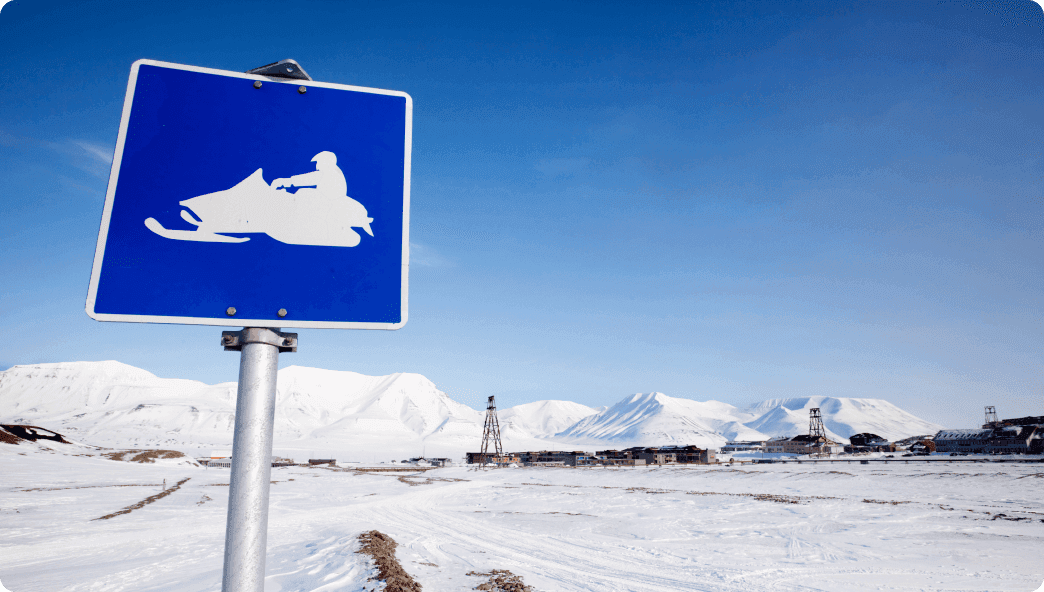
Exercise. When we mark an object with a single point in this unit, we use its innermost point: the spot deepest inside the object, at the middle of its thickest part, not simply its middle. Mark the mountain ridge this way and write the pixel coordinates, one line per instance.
(402, 414)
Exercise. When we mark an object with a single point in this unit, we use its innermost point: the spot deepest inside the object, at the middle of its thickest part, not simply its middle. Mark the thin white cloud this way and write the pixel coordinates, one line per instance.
(95, 159)
(425, 256)
(95, 151)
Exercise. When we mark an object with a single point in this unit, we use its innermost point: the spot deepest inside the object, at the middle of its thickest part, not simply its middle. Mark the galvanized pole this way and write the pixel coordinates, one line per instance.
(246, 531)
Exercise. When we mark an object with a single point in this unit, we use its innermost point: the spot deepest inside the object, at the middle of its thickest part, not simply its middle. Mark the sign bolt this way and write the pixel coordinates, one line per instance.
(231, 311)
(282, 312)
(257, 84)
(302, 89)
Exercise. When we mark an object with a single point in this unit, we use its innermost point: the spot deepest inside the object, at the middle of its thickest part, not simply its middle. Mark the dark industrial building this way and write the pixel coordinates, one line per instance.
(867, 442)
(636, 456)
(483, 458)
(1004, 439)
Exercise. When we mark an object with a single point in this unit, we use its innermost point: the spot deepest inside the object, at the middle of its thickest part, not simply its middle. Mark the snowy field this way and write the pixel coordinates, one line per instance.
(766, 527)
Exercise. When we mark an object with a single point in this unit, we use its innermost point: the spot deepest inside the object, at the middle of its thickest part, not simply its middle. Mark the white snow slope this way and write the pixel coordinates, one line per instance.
(352, 416)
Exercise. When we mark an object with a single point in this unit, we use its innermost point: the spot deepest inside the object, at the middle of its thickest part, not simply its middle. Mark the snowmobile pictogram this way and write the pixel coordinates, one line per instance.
(319, 213)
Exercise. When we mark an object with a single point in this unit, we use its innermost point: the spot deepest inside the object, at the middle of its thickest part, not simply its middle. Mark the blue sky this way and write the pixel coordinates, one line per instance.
(730, 201)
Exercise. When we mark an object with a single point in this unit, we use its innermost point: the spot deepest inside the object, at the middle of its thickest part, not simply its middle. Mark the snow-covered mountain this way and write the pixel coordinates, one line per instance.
(655, 418)
(842, 417)
(357, 417)
(542, 419)
(318, 412)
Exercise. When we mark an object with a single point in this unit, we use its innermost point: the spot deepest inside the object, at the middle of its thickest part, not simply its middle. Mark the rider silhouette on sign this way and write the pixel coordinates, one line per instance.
(327, 178)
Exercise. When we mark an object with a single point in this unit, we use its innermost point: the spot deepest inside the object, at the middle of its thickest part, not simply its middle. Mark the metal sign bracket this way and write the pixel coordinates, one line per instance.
(235, 340)
(282, 69)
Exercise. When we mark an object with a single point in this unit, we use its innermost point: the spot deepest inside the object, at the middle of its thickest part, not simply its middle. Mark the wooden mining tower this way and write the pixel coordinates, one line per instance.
(815, 424)
(491, 434)
(816, 430)
(991, 417)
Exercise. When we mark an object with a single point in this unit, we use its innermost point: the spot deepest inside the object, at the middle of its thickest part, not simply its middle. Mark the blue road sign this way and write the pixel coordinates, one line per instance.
(241, 200)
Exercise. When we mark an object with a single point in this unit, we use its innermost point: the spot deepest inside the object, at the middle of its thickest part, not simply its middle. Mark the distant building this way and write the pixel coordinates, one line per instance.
(624, 462)
(866, 439)
(803, 444)
(225, 462)
(479, 458)
(657, 455)
(322, 461)
(1017, 438)
(636, 456)
(923, 447)
(743, 446)
(963, 441)
(568, 458)
(776, 445)
(434, 462)
(654, 456)
(867, 442)
(690, 454)
(1035, 420)
(906, 443)
(620, 458)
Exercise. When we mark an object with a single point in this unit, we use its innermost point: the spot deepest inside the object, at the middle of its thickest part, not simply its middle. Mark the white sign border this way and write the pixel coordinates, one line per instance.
(103, 232)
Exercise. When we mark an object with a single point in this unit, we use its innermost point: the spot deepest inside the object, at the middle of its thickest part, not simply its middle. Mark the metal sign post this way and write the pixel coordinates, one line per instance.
(246, 526)
(246, 529)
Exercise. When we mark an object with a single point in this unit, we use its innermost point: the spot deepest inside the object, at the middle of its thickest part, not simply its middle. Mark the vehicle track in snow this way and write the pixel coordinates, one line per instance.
(570, 562)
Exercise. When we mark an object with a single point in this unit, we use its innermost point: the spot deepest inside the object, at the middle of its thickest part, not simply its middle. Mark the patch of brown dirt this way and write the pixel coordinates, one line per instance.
(769, 497)
(8, 438)
(501, 580)
(765, 497)
(389, 469)
(407, 479)
(891, 503)
(381, 548)
(146, 501)
(1011, 518)
(143, 456)
(28, 432)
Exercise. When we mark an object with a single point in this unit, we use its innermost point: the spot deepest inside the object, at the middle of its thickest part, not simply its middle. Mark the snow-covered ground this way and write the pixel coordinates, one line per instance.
(745, 528)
